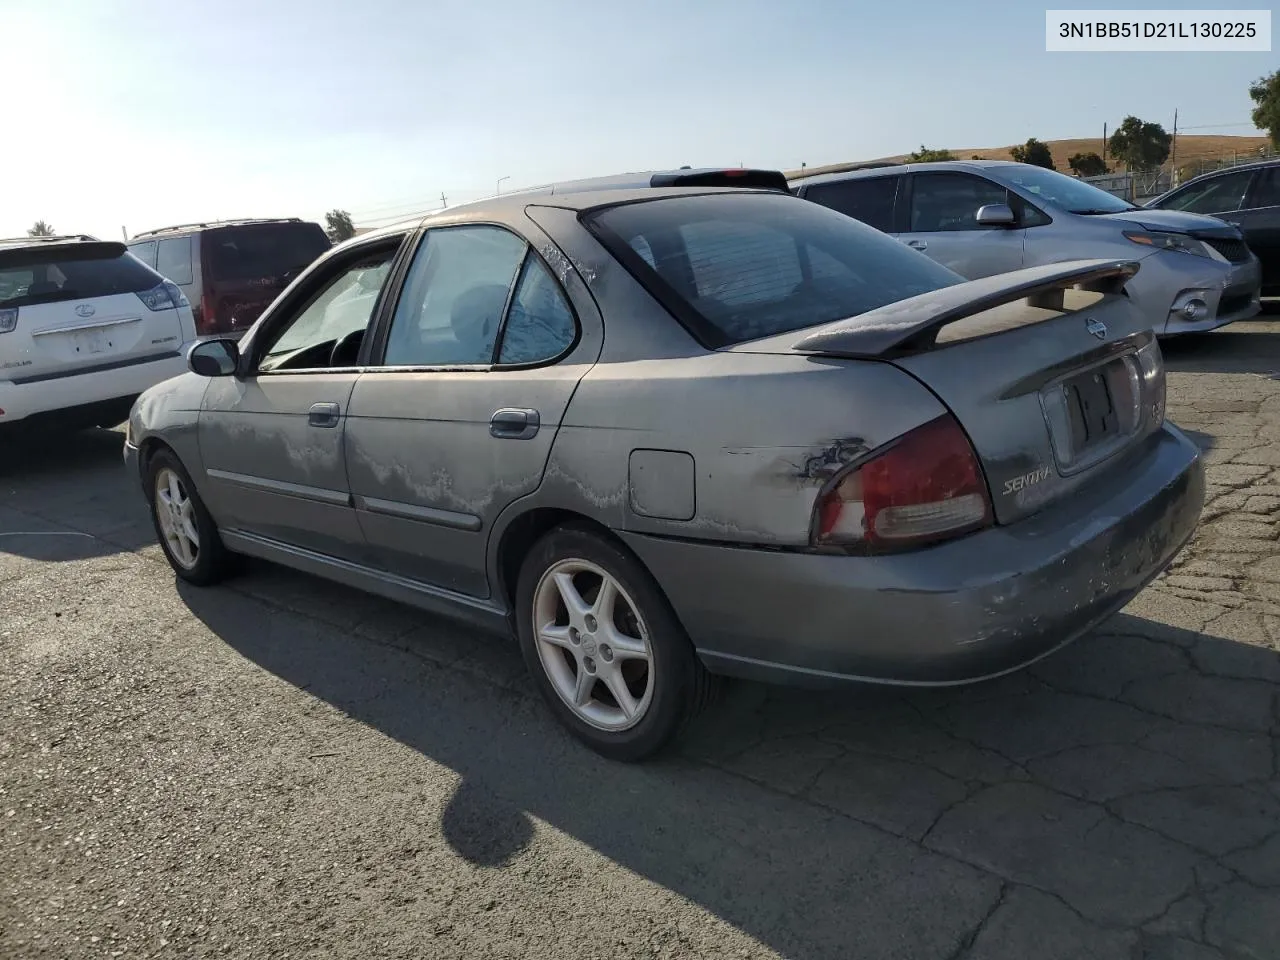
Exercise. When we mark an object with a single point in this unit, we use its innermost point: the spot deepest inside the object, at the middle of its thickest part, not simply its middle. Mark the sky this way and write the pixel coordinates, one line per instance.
(138, 114)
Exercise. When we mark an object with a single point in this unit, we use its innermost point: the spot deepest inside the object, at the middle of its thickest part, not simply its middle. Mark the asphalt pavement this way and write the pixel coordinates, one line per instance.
(281, 767)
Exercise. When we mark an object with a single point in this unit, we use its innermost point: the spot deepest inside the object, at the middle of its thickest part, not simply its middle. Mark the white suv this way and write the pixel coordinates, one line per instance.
(84, 328)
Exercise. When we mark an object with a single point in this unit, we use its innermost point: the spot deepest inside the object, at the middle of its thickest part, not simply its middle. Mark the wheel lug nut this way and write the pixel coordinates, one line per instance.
(591, 623)
(589, 664)
(574, 636)
(606, 653)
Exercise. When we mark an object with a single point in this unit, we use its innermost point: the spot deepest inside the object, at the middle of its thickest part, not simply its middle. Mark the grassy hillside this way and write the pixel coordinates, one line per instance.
(1192, 150)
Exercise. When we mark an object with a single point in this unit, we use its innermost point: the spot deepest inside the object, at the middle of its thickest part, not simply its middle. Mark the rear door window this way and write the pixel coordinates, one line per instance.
(736, 267)
(173, 259)
(259, 251)
(870, 200)
(146, 252)
(950, 201)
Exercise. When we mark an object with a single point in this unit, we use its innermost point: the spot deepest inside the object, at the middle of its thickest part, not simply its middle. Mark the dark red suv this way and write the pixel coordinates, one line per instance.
(230, 270)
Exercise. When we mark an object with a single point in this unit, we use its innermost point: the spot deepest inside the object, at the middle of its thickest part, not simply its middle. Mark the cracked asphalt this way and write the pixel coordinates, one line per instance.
(284, 768)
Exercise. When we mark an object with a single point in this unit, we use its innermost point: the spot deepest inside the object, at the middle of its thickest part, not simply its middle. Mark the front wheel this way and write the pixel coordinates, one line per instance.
(604, 646)
(183, 525)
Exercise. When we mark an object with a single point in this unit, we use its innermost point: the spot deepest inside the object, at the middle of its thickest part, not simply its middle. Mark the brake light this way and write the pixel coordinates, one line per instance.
(205, 323)
(926, 487)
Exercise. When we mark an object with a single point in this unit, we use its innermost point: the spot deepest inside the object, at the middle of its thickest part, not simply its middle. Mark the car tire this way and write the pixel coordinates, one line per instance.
(177, 512)
(579, 660)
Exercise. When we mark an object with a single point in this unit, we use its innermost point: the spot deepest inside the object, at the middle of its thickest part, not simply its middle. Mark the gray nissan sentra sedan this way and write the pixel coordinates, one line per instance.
(664, 434)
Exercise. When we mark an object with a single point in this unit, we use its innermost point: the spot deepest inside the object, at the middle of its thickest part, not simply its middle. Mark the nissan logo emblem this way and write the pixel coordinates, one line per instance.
(1097, 328)
(85, 310)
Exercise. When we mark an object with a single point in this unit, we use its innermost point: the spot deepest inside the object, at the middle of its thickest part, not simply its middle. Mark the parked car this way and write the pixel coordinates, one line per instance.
(230, 270)
(984, 217)
(1247, 197)
(669, 433)
(84, 329)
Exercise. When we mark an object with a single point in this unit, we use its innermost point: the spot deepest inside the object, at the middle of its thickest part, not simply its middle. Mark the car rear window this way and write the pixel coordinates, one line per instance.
(31, 280)
(737, 267)
(263, 250)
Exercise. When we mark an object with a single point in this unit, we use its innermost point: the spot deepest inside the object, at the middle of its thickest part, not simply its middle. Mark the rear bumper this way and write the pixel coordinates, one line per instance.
(963, 611)
(77, 396)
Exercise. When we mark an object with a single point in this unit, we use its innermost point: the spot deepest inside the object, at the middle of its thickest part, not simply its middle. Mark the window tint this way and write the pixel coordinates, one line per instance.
(173, 259)
(342, 307)
(950, 201)
(737, 267)
(68, 279)
(263, 249)
(146, 252)
(1215, 195)
(869, 200)
(453, 297)
(540, 325)
(1266, 189)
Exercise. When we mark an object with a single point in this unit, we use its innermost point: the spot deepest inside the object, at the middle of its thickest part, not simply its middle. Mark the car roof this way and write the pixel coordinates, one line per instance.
(183, 228)
(889, 168)
(1234, 168)
(509, 204)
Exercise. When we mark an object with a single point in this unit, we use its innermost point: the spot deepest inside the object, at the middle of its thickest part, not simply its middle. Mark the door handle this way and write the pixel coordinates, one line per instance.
(324, 415)
(514, 423)
(918, 244)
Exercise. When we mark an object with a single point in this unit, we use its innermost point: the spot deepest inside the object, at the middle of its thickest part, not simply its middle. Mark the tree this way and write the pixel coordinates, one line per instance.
(1086, 164)
(1035, 153)
(1140, 145)
(40, 229)
(1265, 92)
(340, 225)
(925, 155)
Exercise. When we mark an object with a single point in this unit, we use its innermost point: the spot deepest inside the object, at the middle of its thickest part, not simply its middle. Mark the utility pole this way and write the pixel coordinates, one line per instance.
(443, 203)
(124, 233)
(1173, 154)
(1104, 144)
(499, 187)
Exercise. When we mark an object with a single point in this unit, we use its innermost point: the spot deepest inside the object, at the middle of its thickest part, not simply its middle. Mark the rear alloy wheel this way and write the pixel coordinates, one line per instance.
(605, 647)
(186, 531)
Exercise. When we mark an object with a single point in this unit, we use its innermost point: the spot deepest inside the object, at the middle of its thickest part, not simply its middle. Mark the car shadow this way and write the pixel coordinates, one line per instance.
(66, 496)
(902, 791)
(1249, 347)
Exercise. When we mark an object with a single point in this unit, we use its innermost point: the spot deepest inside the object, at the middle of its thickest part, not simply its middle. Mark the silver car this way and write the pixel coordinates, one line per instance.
(984, 217)
(667, 434)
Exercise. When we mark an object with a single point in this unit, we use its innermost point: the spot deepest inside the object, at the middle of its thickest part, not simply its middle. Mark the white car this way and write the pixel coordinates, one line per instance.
(84, 328)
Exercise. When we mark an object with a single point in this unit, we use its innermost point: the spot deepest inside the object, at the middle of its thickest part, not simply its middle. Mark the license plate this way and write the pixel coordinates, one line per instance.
(91, 342)
(1090, 409)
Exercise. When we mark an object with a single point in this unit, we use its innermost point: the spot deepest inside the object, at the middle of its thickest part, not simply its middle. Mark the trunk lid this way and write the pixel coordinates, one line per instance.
(247, 266)
(1052, 372)
(78, 309)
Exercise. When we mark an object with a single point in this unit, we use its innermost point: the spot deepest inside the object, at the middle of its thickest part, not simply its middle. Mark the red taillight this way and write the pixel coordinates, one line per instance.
(205, 323)
(926, 487)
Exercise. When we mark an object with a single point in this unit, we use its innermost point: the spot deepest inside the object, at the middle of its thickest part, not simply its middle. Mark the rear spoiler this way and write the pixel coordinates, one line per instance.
(912, 324)
(722, 177)
(27, 256)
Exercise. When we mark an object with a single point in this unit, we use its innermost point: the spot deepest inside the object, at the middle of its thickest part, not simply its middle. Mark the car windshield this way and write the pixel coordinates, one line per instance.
(741, 266)
(1072, 195)
(267, 250)
(35, 280)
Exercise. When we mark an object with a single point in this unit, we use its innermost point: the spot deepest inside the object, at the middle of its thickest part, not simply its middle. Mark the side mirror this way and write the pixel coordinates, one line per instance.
(996, 215)
(214, 358)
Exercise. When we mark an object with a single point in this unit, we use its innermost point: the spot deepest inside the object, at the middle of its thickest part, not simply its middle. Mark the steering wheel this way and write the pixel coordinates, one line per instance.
(346, 352)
